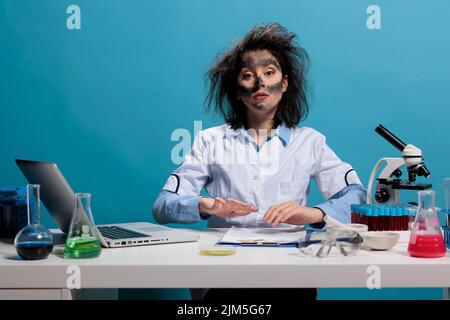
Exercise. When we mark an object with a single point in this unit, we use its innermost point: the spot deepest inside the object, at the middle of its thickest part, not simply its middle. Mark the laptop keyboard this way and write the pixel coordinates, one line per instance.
(114, 232)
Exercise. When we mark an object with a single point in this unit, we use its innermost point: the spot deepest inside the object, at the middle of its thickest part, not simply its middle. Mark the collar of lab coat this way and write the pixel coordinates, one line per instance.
(282, 132)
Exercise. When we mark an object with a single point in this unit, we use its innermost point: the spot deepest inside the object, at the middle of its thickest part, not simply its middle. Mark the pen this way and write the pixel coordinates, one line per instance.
(260, 243)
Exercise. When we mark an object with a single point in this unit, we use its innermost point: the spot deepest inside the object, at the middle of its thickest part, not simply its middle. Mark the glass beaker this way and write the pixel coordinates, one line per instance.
(82, 241)
(33, 242)
(447, 199)
(426, 239)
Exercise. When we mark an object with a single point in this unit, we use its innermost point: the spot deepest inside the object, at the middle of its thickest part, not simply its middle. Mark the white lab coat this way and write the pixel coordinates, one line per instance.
(227, 163)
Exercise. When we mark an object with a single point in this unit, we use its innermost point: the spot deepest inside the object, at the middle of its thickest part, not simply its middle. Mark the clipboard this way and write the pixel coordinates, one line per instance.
(262, 237)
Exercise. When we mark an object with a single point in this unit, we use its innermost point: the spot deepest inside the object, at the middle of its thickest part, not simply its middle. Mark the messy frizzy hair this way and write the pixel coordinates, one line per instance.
(293, 61)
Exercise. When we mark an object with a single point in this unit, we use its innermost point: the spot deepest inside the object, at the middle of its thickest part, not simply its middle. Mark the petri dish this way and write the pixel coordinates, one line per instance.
(213, 250)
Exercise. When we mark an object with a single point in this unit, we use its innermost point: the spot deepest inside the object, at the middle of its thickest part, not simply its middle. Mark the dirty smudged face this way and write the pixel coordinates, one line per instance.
(260, 82)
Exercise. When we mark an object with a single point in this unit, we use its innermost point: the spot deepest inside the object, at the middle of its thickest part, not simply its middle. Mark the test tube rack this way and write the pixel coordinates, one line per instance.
(387, 217)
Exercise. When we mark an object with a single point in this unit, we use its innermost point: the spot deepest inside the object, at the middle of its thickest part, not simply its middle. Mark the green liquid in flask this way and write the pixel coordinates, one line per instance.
(82, 247)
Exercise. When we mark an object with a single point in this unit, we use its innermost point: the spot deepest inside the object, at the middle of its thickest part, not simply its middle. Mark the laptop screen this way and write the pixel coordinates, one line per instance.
(56, 194)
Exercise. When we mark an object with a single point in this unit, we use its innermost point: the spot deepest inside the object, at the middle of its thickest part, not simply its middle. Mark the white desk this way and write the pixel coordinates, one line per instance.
(180, 266)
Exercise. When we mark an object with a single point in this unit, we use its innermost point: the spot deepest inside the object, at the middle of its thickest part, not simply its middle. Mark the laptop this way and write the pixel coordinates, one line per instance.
(58, 197)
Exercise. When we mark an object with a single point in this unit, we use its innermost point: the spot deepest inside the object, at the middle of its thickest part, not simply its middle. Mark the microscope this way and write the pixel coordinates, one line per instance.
(389, 184)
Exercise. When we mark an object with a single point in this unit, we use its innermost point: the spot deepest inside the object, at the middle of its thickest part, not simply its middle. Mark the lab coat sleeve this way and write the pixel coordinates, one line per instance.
(178, 201)
(170, 207)
(330, 172)
(338, 206)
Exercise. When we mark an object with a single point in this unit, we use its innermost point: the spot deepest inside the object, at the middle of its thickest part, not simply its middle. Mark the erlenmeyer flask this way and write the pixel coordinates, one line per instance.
(33, 242)
(426, 239)
(82, 241)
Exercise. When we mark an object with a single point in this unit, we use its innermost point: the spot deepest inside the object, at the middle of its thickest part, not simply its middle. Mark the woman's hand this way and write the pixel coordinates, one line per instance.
(225, 207)
(293, 213)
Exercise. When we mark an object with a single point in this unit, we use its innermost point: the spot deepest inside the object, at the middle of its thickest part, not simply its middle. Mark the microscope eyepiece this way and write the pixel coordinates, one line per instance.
(390, 137)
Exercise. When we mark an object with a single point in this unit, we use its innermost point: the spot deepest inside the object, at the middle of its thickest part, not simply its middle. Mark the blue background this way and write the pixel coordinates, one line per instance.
(103, 101)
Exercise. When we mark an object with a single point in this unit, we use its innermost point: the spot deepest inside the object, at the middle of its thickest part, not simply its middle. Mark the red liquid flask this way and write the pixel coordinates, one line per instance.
(426, 239)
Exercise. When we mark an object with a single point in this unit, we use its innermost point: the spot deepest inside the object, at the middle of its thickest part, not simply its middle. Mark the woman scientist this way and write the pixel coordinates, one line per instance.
(257, 167)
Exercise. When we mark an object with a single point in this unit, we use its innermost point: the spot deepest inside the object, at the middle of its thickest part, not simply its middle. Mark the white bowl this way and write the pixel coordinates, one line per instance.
(360, 228)
(377, 240)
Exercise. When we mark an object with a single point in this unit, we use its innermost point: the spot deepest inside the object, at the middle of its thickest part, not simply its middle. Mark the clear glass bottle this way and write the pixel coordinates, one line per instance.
(82, 240)
(447, 199)
(33, 242)
(426, 239)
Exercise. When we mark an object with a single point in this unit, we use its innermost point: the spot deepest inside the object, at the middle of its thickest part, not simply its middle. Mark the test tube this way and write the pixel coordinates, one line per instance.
(380, 218)
(393, 218)
(363, 215)
(391, 211)
(353, 209)
(402, 225)
(376, 220)
(406, 214)
(360, 213)
(366, 216)
(386, 219)
(396, 218)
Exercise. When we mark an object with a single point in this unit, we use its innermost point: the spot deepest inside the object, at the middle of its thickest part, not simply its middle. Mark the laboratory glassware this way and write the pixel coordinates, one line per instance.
(447, 198)
(33, 242)
(13, 212)
(426, 239)
(82, 240)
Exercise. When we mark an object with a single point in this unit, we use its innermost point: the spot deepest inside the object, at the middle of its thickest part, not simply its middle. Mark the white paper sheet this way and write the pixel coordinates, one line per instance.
(263, 236)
